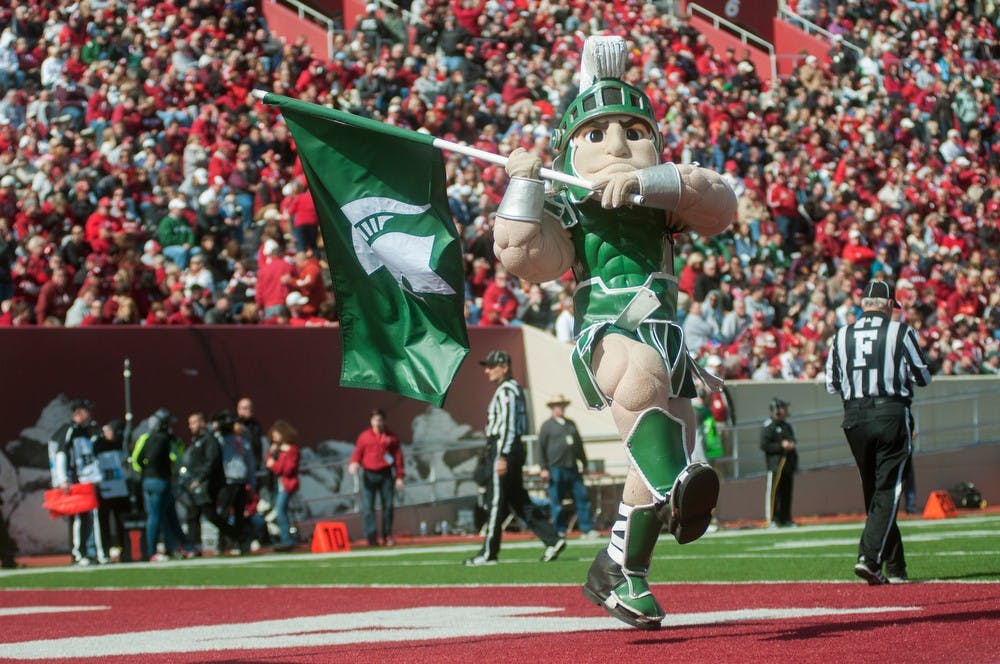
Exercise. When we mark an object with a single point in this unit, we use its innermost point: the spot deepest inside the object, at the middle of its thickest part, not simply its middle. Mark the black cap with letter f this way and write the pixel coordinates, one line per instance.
(882, 290)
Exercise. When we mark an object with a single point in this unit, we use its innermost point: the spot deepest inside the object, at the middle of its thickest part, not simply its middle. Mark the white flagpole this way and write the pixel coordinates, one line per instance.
(500, 160)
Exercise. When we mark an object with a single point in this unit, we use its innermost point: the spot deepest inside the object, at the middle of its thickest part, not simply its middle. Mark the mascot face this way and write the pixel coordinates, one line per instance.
(613, 123)
(612, 144)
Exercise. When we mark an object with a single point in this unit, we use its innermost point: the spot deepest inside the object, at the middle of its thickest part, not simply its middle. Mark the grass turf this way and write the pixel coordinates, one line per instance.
(965, 548)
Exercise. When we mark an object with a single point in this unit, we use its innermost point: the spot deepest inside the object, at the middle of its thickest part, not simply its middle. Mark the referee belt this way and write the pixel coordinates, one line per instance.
(870, 402)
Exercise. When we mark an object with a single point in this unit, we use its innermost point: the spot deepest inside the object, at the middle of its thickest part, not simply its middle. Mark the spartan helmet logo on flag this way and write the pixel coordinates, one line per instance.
(403, 254)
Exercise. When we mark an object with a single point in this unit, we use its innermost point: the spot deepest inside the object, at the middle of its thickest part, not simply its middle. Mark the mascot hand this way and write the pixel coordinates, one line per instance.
(616, 189)
(523, 164)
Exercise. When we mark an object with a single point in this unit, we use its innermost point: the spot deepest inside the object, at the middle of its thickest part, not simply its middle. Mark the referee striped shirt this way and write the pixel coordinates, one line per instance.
(875, 357)
(507, 416)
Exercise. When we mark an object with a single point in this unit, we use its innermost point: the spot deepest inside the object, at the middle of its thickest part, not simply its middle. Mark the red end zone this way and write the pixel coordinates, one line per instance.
(931, 622)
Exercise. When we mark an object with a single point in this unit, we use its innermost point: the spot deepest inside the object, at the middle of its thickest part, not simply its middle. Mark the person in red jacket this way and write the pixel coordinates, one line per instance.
(309, 281)
(856, 251)
(274, 279)
(283, 462)
(301, 213)
(54, 298)
(379, 458)
(499, 302)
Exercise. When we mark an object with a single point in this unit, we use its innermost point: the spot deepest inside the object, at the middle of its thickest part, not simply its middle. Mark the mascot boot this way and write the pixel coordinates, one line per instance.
(686, 494)
(617, 578)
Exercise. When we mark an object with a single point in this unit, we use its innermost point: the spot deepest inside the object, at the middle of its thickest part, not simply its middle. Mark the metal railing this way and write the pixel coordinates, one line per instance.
(811, 28)
(306, 12)
(744, 36)
(832, 450)
(743, 459)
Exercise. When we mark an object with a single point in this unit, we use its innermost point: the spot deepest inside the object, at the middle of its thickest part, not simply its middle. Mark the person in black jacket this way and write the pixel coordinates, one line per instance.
(8, 547)
(8, 247)
(252, 432)
(202, 478)
(154, 455)
(777, 439)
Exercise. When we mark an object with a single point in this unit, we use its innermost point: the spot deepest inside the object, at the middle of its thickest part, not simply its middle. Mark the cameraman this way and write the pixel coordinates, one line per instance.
(239, 467)
(202, 478)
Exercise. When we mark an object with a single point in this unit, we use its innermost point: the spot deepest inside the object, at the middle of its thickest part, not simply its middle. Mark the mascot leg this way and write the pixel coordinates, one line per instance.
(617, 578)
(685, 494)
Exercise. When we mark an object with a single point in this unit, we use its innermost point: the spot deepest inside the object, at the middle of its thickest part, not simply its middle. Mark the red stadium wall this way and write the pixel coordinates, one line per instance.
(790, 42)
(723, 39)
(348, 10)
(755, 16)
(292, 374)
(282, 20)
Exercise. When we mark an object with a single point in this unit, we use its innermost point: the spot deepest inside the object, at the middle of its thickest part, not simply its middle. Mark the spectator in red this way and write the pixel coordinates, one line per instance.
(274, 279)
(784, 208)
(295, 303)
(954, 242)
(96, 315)
(467, 14)
(857, 252)
(301, 212)
(55, 298)
(499, 302)
(690, 272)
(763, 337)
(378, 457)
(964, 300)
(99, 226)
(283, 462)
(309, 281)
(185, 314)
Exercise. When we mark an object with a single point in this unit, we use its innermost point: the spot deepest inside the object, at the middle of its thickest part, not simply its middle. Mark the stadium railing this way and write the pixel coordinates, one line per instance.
(746, 37)
(804, 24)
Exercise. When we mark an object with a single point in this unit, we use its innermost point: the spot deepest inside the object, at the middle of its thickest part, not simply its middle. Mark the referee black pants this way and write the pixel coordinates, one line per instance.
(505, 494)
(879, 435)
(778, 509)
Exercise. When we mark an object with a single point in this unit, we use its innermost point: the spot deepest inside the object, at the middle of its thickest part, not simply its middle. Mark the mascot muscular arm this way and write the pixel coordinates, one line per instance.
(629, 353)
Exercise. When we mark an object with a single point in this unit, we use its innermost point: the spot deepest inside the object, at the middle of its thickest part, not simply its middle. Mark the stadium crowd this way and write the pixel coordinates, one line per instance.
(141, 183)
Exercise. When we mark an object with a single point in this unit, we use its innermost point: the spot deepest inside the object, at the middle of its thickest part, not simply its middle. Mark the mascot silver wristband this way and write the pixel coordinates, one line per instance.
(661, 186)
(523, 200)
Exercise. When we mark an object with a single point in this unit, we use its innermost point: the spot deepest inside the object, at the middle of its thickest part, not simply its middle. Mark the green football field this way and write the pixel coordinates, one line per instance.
(963, 548)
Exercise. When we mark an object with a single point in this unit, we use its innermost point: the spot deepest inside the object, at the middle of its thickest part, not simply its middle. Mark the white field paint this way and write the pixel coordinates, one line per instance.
(387, 626)
(32, 610)
(910, 537)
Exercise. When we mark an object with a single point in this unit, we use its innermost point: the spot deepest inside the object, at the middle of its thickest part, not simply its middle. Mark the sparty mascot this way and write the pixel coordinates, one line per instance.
(629, 353)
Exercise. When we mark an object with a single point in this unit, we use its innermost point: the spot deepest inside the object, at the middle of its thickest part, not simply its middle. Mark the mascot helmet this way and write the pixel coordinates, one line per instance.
(607, 96)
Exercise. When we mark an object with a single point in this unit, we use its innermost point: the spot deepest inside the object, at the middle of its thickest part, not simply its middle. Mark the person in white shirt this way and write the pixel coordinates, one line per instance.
(564, 322)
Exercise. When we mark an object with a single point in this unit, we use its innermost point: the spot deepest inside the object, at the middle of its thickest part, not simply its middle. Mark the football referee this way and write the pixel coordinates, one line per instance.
(505, 492)
(873, 365)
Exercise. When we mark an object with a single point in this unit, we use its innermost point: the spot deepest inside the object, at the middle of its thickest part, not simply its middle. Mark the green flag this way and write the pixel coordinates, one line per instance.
(394, 253)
